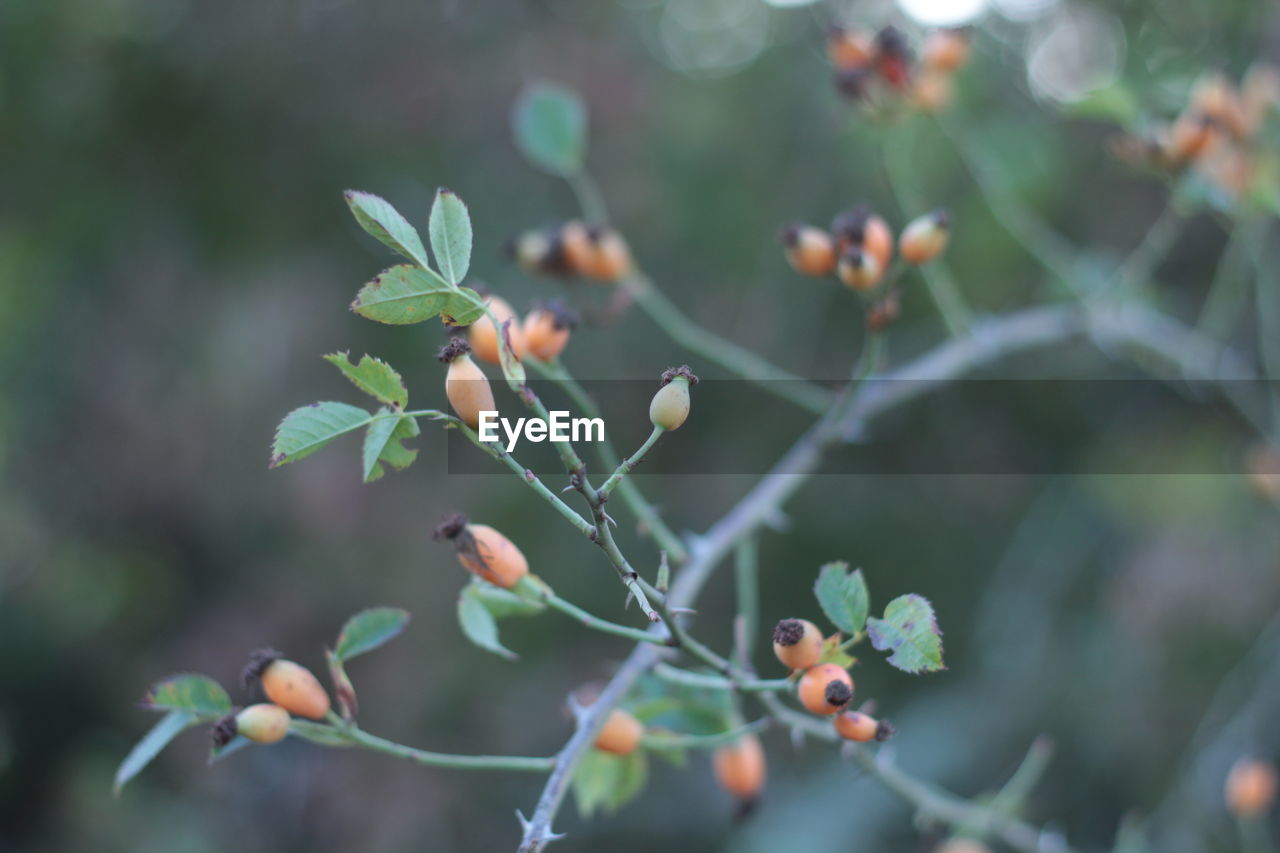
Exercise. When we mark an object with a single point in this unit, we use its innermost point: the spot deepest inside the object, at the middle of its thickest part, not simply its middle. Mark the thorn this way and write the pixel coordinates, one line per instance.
(797, 737)
(626, 605)
(608, 518)
(525, 823)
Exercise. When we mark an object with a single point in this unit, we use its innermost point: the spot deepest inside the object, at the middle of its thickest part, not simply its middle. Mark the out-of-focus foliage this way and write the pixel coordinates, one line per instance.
(175, 253)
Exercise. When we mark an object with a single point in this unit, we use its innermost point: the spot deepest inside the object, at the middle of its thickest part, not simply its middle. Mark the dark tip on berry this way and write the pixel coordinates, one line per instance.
(852, 82)
(224, 731)
(562, 316)
(675, 372)
(942, 218)
(259, 660)
(852, 224)
(789, 234)
(838, 692)
(788, 632)
(450, 527)
(854, 257)
(450, 351)
(885, 730)
(745, 808)
(595, 232)
(890, 41)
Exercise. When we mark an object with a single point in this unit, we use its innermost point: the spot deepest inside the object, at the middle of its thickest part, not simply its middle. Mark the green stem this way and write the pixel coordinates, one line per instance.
(1031, 232)
(625, 468)
(665, 537)
(1137, 268)
(545, 594)
(930, 801)
(526, 476)
(942, 287)
(589, 197)
(661, 741)
(1229, 290)
(718, 682)
(733, 358)
(746, 571)
(340, 730)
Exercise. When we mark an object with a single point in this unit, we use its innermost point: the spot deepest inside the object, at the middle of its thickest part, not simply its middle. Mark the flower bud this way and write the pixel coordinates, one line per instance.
(620, 734)
(859, 270)
(1251, 787)
(483, 334)
(740, 767)
(809, 250)
(924, 238)
(860, 727)
(264, 723)
(547, 328)
(850, 49)
(670, 406)
(797, 643)
(289, 685)
(945, 50)
(465, 385)
(825, 689)
(484, 551)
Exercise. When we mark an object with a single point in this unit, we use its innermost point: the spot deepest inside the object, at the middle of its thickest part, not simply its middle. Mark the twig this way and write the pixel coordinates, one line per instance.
(342, 733)
(625, 468)
(719, 682)
(675, 740)
(645, 511)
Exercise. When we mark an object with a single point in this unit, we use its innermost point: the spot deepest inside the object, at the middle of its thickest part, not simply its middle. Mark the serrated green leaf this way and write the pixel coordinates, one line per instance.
(450, 230)
(550, 124)
(198, 694)
(406, 294)
(394, 453)
(170, 726)
(478, 624)
(374, 377)
(304, 431)
(503, 603)
(910, 630)
(384, 222)
(843, 596)
(606, 781)
(369, 629)
(376, 439)
(319, 733)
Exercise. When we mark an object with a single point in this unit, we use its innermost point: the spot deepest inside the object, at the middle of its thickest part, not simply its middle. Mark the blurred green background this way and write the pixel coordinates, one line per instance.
(175, 256)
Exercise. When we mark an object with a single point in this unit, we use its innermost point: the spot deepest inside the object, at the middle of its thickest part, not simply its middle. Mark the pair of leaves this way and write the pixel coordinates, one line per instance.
(189, 700)
(304, 431)
(606, 781)
(909, 628)
(448, 226)
(411, 294)
(481, 605)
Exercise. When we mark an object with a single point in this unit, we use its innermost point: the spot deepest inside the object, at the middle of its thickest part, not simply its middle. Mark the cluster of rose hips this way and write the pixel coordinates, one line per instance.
(824, 688)
(292, 690)
(872, 67)
(1216, 133)
(483, 551)
(542, 335)
(859, 248)
(593, 252)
